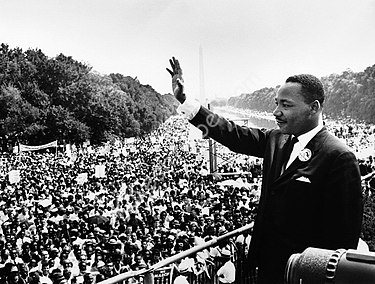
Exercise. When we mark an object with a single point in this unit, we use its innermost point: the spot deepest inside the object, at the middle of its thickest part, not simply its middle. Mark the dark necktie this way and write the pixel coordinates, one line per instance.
(288, 150)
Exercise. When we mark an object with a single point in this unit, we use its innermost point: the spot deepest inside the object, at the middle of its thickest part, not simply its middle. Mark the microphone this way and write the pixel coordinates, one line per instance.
(315, 266)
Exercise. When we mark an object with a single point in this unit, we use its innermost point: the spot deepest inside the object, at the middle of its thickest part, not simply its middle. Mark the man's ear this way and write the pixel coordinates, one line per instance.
(315, 106)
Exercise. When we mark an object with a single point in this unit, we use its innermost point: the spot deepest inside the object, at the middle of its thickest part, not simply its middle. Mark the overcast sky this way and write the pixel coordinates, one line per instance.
(247, 44)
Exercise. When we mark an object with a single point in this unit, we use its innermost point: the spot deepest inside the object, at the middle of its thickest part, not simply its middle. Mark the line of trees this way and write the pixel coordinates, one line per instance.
(348, 94)
(43, 99)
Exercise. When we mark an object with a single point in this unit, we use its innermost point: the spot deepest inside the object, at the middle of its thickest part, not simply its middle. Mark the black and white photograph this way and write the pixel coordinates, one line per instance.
(187, 142)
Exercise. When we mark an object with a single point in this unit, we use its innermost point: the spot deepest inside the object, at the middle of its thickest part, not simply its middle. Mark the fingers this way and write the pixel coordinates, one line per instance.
(172, 63)
(176, 69)
(173, 71)
(170, 71)
(177, 66)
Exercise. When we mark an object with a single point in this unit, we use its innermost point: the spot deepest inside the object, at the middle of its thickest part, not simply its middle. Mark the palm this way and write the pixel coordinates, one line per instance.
(177, 80)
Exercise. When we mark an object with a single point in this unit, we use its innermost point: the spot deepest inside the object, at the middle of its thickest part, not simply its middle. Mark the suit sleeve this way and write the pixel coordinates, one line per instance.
(240, 139)
(342, 202)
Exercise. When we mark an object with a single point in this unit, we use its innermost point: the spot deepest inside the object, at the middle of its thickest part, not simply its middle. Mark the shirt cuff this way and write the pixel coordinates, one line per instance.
(189, 108)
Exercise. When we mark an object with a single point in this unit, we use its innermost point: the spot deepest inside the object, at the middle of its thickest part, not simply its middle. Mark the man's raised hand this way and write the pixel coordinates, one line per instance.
(177, 80)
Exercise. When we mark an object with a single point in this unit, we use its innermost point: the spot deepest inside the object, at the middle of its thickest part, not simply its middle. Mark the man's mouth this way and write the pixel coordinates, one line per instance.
(280, 122)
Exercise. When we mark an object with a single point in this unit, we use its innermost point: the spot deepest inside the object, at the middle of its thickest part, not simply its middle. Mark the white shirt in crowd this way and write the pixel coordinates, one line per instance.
(227, 273)
(181, 279)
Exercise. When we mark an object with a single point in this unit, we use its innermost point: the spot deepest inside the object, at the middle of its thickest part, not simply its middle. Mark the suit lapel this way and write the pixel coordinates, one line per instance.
(280, 157)
(314, 146)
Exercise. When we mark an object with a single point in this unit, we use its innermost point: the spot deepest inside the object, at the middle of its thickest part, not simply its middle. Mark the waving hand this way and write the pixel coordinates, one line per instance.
(177, 80)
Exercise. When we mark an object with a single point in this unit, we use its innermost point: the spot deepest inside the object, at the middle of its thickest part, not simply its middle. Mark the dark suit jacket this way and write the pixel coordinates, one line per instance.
(293, 214)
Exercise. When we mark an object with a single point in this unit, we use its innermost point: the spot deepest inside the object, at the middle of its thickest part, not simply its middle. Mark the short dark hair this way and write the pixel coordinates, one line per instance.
(312, 87)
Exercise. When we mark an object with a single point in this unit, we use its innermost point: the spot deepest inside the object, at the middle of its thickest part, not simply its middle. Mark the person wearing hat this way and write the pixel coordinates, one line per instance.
(227, 272)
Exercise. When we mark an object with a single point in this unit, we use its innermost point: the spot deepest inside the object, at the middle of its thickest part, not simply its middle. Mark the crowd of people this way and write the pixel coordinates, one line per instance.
(86, 215)
(152, 200)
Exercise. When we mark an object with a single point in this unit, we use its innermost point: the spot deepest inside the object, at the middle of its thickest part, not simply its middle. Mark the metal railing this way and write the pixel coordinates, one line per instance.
(163, 267)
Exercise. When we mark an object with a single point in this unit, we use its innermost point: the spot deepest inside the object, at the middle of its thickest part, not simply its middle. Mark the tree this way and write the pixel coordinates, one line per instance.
(44, 99)
(348, 94)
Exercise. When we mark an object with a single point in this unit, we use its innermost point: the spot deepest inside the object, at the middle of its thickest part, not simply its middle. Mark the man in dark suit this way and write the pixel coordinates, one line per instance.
(311, 190)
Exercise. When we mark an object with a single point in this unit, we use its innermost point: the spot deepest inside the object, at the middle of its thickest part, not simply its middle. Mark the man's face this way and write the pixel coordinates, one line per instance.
(293, 115)
(138, 259)
(82, 265)
(45, 270)
(110, 266)
(45, 256)
(14, 253)
(67, 272)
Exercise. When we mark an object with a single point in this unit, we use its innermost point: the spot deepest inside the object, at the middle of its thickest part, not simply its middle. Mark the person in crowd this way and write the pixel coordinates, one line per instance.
(14, 256)
(100, 272)
(227, 272)
(44, 260)
(184, 269)
(311, 183)
(13, 276)
(57, 277)
(243, 242)
(23, 272)
(45, 274)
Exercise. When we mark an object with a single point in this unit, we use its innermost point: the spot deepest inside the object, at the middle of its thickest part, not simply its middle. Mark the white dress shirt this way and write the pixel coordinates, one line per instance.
(302, 142)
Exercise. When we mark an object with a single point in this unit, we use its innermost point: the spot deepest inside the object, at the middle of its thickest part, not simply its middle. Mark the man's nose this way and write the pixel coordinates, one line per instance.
(277, 112)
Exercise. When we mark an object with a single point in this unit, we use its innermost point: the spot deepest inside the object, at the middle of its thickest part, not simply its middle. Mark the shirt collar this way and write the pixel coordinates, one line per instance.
(306, 137)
